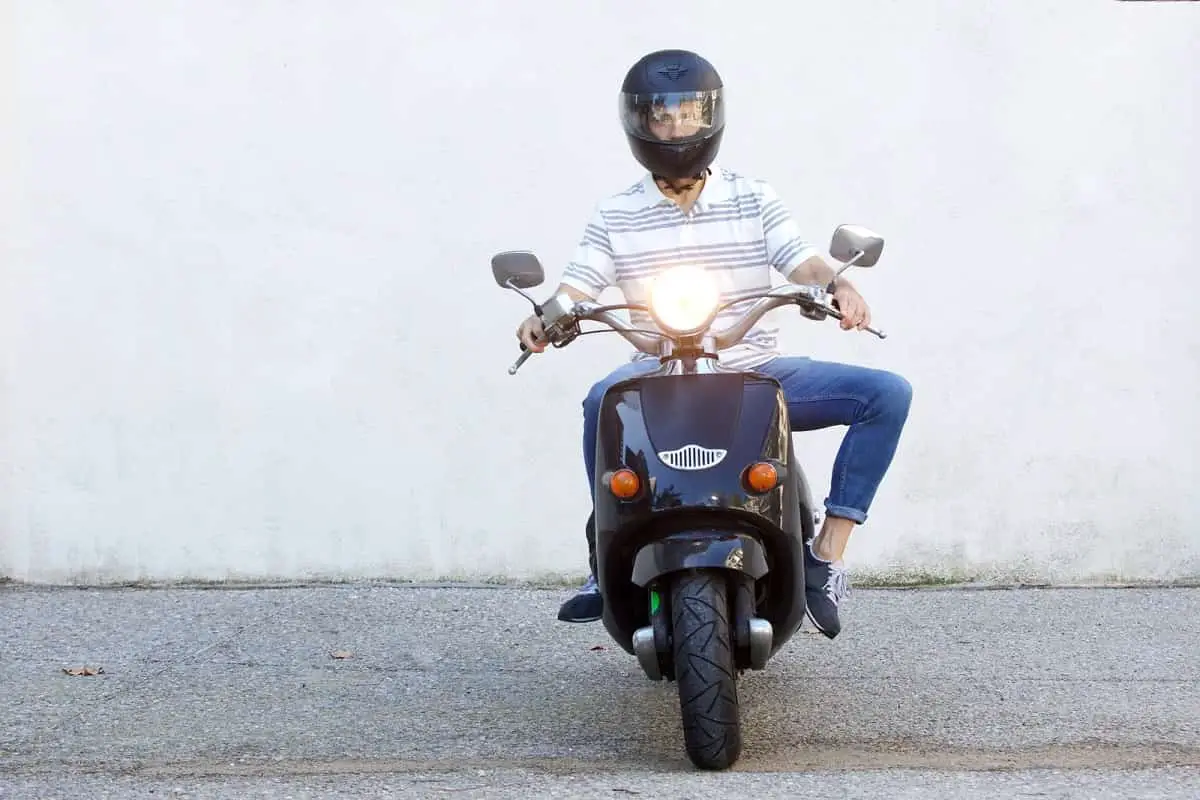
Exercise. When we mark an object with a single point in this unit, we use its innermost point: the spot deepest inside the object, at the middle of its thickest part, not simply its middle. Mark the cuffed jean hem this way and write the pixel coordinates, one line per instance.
(845, 512)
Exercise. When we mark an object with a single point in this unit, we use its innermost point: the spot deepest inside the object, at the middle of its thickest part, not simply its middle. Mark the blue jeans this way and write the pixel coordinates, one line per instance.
(820, 394)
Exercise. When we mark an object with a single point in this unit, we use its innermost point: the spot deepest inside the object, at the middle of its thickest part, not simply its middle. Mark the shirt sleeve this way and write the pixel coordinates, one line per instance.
(786, 248)
(592, 270)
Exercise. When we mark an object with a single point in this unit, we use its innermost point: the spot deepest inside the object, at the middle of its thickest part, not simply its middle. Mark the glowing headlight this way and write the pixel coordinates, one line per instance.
(684, 300)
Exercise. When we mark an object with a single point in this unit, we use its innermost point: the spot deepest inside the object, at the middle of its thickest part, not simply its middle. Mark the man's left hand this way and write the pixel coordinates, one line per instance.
(856, 314)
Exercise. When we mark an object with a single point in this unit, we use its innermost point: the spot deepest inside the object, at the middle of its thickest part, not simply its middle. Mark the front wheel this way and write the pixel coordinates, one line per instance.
(704, 668)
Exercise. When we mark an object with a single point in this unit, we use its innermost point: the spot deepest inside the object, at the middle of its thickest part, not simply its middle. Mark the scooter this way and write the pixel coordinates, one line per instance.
(702, 511)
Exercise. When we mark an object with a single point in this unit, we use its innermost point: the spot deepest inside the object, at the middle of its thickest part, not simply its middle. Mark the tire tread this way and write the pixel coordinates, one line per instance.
(704, 669)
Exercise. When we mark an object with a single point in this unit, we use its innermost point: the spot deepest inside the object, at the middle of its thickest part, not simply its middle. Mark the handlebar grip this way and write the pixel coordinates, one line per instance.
(836, 307)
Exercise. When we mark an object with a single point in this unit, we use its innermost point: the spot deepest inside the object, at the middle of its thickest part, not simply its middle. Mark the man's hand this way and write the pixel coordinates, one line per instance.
(531, 332)
(815, 272)
(532, 335)
(856, 314)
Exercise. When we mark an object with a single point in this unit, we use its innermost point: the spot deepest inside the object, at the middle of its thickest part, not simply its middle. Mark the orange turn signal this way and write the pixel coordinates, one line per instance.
(762, 477)
(624, 483)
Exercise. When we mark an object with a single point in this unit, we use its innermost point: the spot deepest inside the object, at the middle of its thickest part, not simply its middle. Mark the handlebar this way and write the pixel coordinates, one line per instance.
(593, 311)
(560, 313)
(779, 296)
(646, 343)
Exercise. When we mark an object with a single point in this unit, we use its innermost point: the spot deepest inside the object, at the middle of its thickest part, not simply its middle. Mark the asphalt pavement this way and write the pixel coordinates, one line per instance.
(400, 691)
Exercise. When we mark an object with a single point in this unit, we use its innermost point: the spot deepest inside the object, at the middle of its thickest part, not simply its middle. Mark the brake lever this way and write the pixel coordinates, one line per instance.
(834, 310)
(525, 354)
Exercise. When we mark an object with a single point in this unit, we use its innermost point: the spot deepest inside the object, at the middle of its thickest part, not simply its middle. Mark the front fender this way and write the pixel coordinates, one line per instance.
(699, 549)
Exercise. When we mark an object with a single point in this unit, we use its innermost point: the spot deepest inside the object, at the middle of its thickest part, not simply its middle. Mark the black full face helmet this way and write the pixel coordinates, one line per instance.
(673, 113)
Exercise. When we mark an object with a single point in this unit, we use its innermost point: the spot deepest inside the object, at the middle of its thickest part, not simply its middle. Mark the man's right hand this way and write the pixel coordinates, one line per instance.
(532, 335)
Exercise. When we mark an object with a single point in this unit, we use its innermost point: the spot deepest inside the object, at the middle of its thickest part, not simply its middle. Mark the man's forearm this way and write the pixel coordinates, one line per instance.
(814, 271)
(573, 293)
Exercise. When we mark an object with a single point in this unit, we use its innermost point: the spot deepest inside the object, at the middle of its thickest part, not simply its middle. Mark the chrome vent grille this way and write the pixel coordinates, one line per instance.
(692, 457)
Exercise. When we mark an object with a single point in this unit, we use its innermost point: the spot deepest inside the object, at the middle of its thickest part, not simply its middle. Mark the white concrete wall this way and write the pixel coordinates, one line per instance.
(249, 328)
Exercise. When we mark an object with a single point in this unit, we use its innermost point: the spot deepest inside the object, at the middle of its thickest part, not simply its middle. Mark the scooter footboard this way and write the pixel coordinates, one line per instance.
(699, 549)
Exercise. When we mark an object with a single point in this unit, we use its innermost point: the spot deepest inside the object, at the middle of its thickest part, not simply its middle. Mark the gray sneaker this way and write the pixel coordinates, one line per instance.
(825, 584)
(585, 606)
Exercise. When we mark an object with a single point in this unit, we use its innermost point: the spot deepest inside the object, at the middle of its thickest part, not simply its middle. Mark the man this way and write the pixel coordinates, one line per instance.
(687, 211)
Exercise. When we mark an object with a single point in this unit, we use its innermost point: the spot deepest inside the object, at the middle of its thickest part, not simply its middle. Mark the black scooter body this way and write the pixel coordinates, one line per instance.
(704, 517)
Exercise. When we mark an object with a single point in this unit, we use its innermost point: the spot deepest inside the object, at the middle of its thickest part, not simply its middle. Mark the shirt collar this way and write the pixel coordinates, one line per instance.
(714, 191)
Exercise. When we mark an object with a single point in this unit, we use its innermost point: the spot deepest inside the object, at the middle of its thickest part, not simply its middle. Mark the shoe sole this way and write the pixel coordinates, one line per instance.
(564, 616)
(817, 625)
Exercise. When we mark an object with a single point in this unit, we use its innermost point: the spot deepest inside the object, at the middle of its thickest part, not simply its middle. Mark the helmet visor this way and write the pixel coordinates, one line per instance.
(677, 117)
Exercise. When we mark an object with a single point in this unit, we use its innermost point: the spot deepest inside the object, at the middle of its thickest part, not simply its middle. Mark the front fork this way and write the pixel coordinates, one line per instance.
(752, 636)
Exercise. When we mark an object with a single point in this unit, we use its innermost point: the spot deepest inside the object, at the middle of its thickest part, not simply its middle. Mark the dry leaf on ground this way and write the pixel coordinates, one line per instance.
(78, 671)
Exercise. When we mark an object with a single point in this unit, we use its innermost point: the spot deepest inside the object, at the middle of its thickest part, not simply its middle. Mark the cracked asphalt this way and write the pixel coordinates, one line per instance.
(480, 692)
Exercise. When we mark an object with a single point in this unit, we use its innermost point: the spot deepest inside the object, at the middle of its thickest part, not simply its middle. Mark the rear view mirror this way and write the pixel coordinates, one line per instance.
(517, 269)
(851, 240)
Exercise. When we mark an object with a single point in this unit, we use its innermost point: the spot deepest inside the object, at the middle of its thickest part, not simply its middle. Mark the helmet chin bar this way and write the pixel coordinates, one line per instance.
(667, 161)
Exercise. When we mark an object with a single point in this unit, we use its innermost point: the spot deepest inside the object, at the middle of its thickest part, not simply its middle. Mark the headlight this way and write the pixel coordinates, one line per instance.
(684, 300)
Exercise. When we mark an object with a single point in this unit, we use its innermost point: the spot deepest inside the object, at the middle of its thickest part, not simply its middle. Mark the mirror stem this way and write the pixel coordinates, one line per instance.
(537, 309)
(832, 287)
(857, 255)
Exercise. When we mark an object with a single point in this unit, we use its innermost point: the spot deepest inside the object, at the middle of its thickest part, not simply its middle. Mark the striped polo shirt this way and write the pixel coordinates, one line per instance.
(738, 230)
